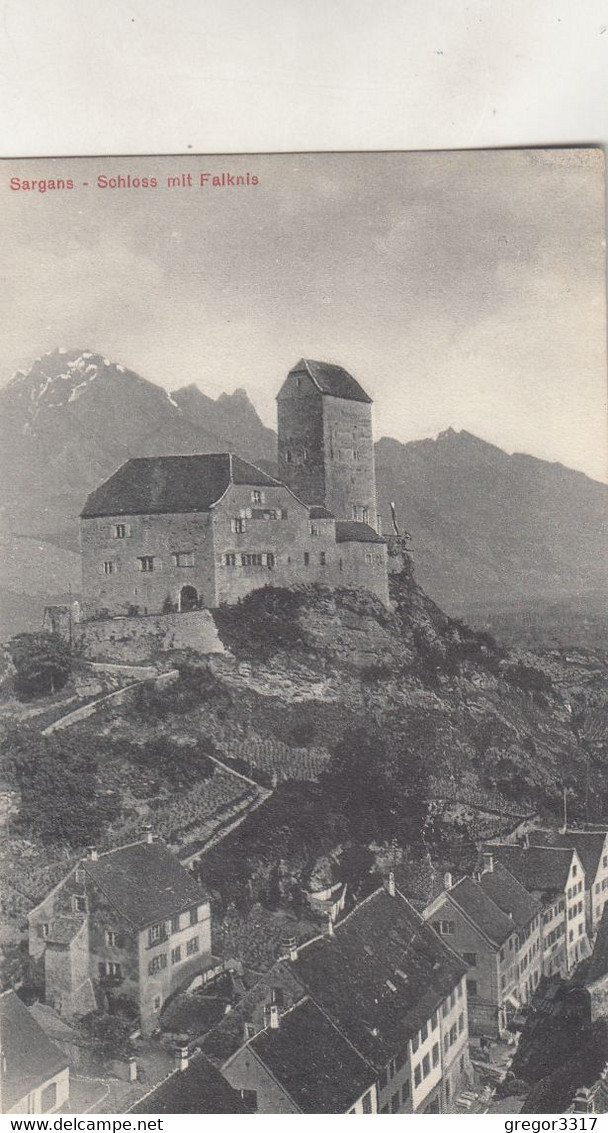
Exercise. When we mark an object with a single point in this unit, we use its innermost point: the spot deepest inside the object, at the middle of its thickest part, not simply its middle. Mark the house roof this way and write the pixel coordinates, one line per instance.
(509, 894)
(589, 845)
(347, 531)
(542, 869)
(313, 1063)
(317, 512)
(145, 882)
(31, 1058)
(331, 380)
(380, 976)
(157, 485)
(199, 1089)
(471, 898)
(598, 962)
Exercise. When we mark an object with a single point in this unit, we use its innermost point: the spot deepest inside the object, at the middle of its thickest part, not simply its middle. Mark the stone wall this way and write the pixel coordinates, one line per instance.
(131, 640)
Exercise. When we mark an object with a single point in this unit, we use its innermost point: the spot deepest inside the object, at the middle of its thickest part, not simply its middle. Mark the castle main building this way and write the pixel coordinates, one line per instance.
(184, 532)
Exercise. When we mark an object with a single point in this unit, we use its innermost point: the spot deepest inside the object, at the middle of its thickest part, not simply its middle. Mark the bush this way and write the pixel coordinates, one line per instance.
(42, 663)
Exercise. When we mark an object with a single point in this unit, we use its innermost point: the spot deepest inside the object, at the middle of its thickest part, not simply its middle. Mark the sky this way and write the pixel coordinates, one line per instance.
(462, 289)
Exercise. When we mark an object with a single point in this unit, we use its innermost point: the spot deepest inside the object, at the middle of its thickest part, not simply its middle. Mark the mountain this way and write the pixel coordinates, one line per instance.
(490, 530)
(492, 533)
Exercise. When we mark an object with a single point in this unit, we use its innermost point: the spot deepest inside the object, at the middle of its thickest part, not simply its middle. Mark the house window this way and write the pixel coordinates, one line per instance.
(472, 987)
(323, 558)
(315, 529)
(109, 567)
(157, 963)
(287, 456)
(461, 1022)
(447, 928)
(435, 1054)
(80, 876)
(367, 1102)
(192, 946)
(270, 560)
(175, 923)
(257, 497)
(446, 1043)
(237, 526)
(306, 558)
(369, 558)
(383, 1080)
(580, 930)
(426, 1066)
(111, 938)
(230, 558)
(79, 904)
(176, 955)
(250, 1099)
(366, 515)
(43, 930)
(470, 958)
(460, 990)
(405, 1092)
(424, 1033)
(194, 916)
(399, 1062)
(183, 558)
(434, 1020)
(155, 933)
(417, 1075)
(574, 871)
(416, 1042)
(114, 970)
(395, 1103)
(355, 512)
(146, 563)
(48, 1098)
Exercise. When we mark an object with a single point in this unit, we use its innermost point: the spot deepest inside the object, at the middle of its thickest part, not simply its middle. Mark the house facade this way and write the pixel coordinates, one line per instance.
(131, 922)
(34, 1073)
(178, 533)
(592, 849)
(392, 989)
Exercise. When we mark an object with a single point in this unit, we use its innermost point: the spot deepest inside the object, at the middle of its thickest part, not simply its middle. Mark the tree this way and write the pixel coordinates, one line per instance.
(107, 1035)
(42, 663)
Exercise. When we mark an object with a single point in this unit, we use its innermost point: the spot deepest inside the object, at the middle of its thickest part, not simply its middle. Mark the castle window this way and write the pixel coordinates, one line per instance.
(315, 529)
(109, 567)
(111, 938)
(356, 454)
(270, 560)
(257, 497)
(369, 558)
(251, 560)
(114, 970)
(237, 526)
(192, 946)
(323, 558)
(306, 558)
(121, 531)
(79, 904)
(366, 515)
(146, 563)
(183, 559)
(230, 558)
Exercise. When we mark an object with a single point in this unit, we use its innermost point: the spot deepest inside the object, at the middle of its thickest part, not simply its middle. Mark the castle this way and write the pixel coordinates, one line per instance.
(179, 533)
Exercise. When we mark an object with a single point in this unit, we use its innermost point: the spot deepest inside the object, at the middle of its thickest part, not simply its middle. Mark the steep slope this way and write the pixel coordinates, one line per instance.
(492, 528)
(233, 418)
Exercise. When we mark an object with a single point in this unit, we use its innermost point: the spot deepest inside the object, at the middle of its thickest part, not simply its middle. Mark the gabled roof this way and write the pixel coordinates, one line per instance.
(542, 869)
(312, 1062)
(145, 882)
(380, 976)
(589, 845)
(469, 896)
(158, 485)
(348, 531)
(598, 962)
(509, 894)
(31, 1058)
(198, 1089)
(331, 380)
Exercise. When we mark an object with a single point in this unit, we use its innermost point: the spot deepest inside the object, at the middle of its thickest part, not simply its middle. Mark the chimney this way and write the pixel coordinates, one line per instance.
(181, 1057)
(488, 863)
(93, 854)
(390, 886)
(275, 1020)
(448, 881)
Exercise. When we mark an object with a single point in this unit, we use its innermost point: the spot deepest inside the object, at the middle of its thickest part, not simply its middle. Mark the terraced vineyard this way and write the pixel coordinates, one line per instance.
(277, 758)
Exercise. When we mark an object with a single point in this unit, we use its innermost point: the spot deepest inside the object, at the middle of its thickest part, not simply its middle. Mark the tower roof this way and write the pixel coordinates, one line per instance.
(333, 381)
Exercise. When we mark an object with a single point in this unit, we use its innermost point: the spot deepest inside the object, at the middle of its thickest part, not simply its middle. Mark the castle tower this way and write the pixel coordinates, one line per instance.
(326, 447)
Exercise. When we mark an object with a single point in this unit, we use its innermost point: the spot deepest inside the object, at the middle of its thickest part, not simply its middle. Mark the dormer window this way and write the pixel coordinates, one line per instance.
(257, 497)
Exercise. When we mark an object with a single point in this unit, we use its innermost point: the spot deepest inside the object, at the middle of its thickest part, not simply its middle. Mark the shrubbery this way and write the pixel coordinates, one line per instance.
(42, 661)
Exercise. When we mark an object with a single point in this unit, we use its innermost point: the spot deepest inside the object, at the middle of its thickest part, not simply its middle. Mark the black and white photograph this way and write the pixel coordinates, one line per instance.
(303, 634)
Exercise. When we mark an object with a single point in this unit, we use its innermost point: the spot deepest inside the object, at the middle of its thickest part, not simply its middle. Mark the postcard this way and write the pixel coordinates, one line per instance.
(304, 666)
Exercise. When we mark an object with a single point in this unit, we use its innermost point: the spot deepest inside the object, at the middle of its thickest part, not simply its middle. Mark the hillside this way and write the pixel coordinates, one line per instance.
(494, 535)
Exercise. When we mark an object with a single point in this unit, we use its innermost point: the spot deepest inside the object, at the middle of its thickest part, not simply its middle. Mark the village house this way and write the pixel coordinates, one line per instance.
(487, 940)
(178, 533)
(555, 876)
(131, 923)
(592, 849)
(393, 990)
(596, 973)
(194, 1086)
(34, 1073)
(525, 911)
